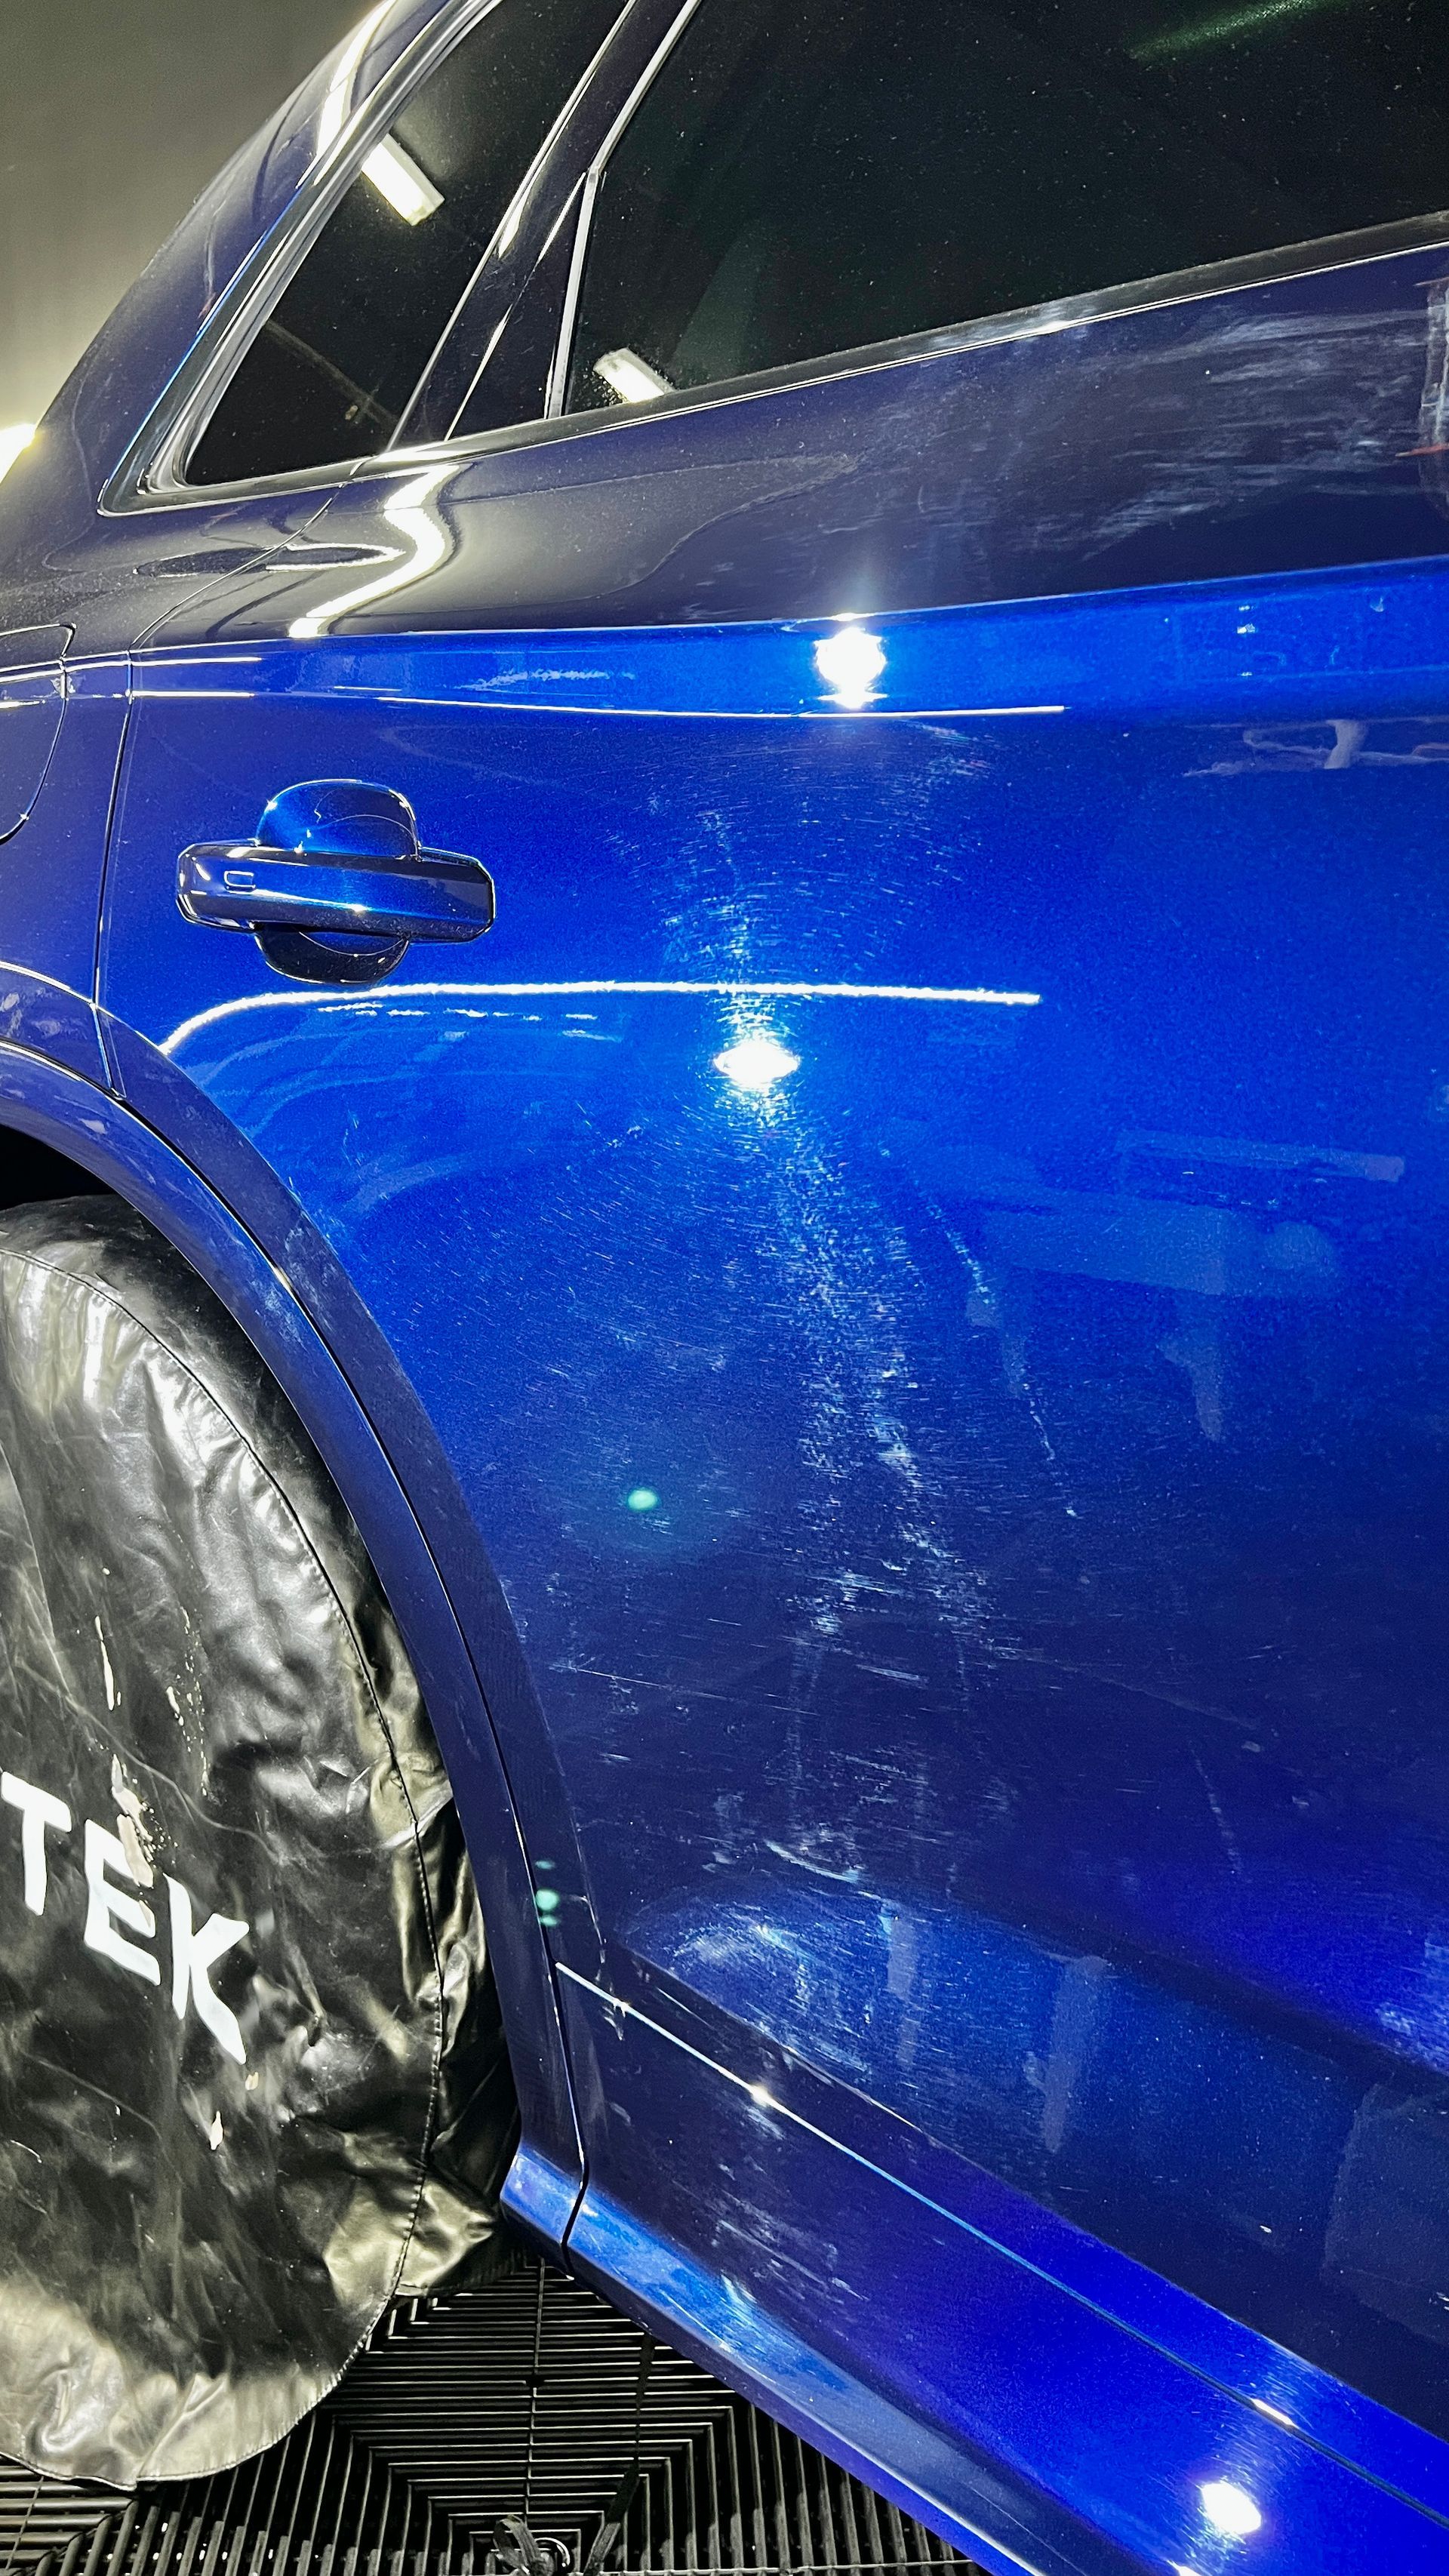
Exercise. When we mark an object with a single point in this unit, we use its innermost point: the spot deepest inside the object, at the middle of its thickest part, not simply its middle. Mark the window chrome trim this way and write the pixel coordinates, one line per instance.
(151, 473)
(1035, 321)
(1029, 322)
(568, 318)
(510, 223)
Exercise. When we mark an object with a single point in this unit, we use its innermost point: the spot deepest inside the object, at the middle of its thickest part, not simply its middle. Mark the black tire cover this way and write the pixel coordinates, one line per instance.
(252, 2073)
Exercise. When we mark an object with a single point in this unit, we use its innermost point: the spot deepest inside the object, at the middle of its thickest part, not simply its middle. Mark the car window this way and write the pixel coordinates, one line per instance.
(334, 366)
(813, 178)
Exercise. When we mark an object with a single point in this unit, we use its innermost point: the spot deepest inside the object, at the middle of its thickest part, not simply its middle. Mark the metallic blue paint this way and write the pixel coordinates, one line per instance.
(893, 1316)
(32, 703)
(948, 2394)
(1270, 426)
(1046, 1930)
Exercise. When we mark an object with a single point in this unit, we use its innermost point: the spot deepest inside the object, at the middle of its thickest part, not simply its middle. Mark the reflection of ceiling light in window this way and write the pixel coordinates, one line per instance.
(12, 441)
(1225, 27)
(396, 176)
(631, 378)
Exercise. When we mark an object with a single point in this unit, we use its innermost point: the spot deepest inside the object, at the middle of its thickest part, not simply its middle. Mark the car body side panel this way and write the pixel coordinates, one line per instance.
(50, 875)
(921, 1480)
(32, 703)
(891, 1315)
(948, 2375)
(1269, 426)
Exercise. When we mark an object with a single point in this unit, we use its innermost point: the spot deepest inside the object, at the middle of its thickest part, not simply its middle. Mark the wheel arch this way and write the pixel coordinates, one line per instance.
(70, 1127)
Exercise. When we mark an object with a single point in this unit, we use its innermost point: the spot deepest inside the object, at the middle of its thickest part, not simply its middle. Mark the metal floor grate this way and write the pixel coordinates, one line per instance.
(525, 2397)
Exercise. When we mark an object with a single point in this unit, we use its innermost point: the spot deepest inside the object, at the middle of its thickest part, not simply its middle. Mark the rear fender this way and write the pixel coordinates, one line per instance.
(72, 1116)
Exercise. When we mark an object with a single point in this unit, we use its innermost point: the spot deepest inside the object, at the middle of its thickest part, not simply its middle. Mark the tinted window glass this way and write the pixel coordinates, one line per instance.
(331, 372)
(837, 172)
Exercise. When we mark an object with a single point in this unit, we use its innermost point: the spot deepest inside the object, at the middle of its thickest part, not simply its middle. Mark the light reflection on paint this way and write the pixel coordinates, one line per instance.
(323, 997)
(1230, 2509)
(408, 512)
(756, 1063)
(850, 662)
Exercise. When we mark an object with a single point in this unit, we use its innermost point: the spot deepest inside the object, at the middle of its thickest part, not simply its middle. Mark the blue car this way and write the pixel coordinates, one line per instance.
(724, 1051)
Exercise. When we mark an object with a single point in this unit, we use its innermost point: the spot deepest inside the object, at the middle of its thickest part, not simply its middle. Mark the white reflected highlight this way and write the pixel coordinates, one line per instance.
(326, 996)
(1275, 2414)
(13, 442)
(631, 377)
(338, 101)
(850, 662)
(1230, 2509)
(756, 1063)
(426, 537)
(397, 177)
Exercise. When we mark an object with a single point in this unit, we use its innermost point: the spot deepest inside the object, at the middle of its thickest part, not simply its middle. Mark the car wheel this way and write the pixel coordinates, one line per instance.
(244, 1994)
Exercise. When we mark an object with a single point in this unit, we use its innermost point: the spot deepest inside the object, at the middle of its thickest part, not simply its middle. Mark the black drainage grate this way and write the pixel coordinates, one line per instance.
(527, 2398)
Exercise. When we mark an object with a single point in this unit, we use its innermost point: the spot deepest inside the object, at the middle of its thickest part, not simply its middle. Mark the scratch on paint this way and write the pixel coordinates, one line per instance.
(1219, 1818)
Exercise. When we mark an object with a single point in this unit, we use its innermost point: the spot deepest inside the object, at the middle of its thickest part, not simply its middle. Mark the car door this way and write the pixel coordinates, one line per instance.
(918, 1231)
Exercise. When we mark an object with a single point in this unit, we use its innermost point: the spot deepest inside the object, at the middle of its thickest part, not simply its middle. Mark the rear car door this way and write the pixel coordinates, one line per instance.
(919, 1230)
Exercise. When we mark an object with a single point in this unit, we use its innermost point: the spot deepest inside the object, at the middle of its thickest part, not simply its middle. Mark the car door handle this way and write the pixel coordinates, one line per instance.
(336, 885)
(246, 885)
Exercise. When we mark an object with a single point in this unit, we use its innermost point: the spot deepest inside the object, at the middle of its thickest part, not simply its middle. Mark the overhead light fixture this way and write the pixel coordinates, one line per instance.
(395, 175)
(13, 442)
(631, 377)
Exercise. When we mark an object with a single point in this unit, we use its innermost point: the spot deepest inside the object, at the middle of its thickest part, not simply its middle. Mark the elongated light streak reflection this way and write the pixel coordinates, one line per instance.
(338, 101)
(408, 512)
(376, 999)
(1225, 27)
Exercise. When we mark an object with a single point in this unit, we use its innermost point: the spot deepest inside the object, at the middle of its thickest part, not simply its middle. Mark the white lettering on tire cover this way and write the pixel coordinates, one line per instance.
(37, 1810)
(106, 1906)
(193, 1953)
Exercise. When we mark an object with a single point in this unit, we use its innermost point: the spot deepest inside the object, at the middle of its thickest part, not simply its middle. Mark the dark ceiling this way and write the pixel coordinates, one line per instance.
(113, 116)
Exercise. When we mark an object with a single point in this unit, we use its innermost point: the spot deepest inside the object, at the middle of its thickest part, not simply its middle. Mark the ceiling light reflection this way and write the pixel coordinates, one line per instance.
(396, 175)
(631, 377)
(324, 997)
(850, 662)
(1230, 2509)
(756, 1063)
(13, 443)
